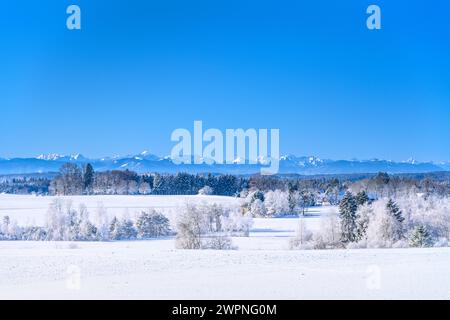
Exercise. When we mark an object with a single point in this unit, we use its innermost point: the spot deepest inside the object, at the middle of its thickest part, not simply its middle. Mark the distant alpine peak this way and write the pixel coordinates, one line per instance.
(315, 160)
(50, 156)
(146, 155)
(77, 156)
(303, 161)
(56, 156)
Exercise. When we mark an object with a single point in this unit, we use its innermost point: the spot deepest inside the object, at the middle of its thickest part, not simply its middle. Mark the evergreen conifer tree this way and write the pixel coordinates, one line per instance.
(362, 198)
(420, 238)
(88, 178)
(347, 213)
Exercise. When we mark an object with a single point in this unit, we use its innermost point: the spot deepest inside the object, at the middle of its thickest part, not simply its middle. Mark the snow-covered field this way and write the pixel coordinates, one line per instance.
(31, 210)
(262, 268)
(154, 270)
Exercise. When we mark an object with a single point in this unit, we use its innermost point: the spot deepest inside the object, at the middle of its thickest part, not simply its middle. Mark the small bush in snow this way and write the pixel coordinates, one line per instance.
(206, 191)
(219, 242)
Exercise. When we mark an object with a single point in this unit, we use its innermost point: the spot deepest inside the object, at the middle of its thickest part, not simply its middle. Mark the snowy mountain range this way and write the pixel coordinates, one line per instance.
(147, 162)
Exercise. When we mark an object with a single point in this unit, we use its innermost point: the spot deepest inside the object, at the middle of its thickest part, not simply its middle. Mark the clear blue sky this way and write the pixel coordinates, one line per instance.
(139, 69)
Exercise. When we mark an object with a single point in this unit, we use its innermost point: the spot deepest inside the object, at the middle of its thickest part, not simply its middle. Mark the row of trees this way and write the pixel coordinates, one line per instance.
(383, 185)
(197, 227)
(73, 180)
(25, 185)
(277, 202)
(65, 223)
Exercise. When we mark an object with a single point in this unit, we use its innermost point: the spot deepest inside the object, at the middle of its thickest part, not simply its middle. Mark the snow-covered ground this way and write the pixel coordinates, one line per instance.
(262, 268)
(154, 270)
(31, 210)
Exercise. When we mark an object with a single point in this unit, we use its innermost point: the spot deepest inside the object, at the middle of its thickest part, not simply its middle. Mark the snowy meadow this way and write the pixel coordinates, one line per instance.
(138, 249)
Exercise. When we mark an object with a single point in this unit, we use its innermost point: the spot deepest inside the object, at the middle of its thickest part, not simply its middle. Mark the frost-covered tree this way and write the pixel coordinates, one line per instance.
(32, 233)
(206, 191)
(384, 229)
(257, 195)
(362, 198)
(191, 224)
(64, 223)
(258, 209)
(393, 209)
(347, 214)
(420, 238)
(127, 229)
(293, 197)
(56, 221)
(200, 226)
(9, 229)
(114, 229)
(144, 188)
(69, 180)
(303, 237)
(4, 227)
(152, 224)
(122, 229)
(235, 223)
(277, 203)
(213, 214)
(102, 222)
(88, 231)
(363, 215)
(328, 236)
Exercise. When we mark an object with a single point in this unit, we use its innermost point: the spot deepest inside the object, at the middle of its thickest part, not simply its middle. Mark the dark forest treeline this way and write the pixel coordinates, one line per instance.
(75, 180)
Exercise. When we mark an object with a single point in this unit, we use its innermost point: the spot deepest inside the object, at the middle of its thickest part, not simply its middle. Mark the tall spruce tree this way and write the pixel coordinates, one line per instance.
(362, 198)
(420, 238)
(88, 178)
(347, 213)
(395, 211)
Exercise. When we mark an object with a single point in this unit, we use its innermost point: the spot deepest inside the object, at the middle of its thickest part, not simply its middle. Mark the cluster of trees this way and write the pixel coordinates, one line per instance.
(383, 185)
(277, 203)
(198, 226)
(65, 223)
(73, 180)
(210, 227)
(25, 185)
(413, 220)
